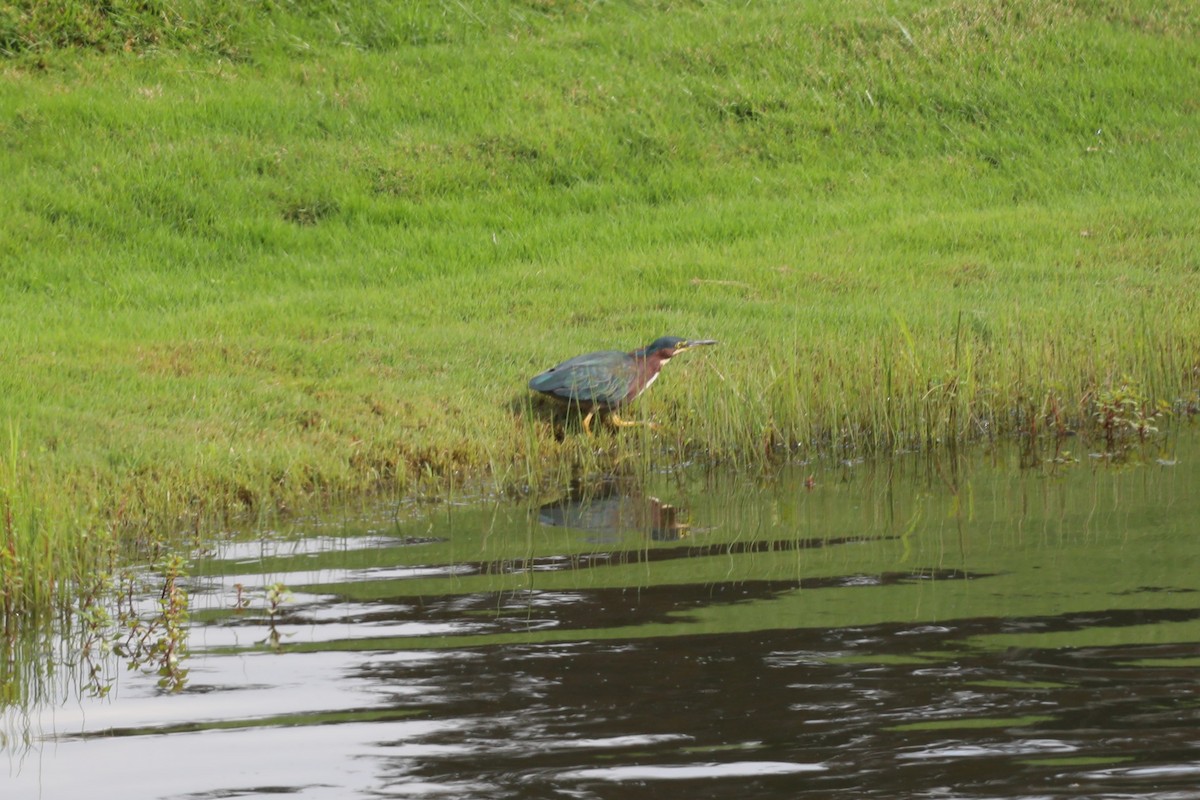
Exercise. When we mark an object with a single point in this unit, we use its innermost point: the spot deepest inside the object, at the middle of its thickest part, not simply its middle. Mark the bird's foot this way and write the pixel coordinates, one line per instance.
(627, 423)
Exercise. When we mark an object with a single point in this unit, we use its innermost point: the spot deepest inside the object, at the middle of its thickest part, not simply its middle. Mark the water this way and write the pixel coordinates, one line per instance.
(926, 628)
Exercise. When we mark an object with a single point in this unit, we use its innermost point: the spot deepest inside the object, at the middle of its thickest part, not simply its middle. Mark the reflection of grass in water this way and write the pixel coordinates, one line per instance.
(277, 720)
(1165, 663)
(972, 723)
(1167, 632)
(895, 659)
(771, 555)
(1074, 527)
(722, 748)
(1076, 761)
(1037, 544)
(1001, 684)
(143, 622)
(52, 659)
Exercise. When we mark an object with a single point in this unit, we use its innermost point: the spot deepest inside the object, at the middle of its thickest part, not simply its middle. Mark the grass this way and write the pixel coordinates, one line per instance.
(257, 255)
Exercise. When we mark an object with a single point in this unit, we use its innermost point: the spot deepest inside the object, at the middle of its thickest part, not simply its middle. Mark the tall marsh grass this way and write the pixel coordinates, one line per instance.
(258, 256)
(49, 547)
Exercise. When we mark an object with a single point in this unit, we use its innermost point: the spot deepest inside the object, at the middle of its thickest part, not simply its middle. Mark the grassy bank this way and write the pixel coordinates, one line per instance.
(254, 255)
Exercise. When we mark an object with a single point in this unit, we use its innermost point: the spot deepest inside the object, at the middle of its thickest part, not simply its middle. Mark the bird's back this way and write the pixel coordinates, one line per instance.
(600, 378)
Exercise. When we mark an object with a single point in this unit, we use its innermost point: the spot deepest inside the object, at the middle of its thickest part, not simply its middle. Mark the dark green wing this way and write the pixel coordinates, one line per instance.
(601, 378)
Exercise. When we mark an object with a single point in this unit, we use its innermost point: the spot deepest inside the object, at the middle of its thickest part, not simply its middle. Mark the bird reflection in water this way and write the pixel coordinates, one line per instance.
(609, 508)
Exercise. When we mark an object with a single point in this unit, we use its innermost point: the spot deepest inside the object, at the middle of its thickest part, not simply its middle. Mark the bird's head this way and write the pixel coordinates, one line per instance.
(666, 346)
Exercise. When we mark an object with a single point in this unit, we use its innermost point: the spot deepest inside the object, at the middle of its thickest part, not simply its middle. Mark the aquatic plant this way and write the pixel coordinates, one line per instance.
(276, 596)
(158, 643)
(1123, 412)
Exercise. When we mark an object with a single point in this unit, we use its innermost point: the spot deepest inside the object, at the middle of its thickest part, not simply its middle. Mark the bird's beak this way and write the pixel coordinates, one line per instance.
(694, 343)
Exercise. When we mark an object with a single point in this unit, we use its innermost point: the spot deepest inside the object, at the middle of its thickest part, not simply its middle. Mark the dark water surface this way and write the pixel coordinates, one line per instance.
(926, 628)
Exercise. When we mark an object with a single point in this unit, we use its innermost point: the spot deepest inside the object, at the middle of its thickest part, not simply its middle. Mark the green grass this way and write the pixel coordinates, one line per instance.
(257, 254)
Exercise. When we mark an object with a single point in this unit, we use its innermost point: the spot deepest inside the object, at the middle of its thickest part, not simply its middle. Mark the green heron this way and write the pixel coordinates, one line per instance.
(608, 379)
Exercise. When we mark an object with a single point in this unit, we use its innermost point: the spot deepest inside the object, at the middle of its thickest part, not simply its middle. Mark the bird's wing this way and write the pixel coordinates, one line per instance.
(601, 377)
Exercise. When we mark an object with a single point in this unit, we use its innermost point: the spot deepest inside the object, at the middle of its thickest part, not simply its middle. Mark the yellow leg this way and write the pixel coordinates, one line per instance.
(587, 422)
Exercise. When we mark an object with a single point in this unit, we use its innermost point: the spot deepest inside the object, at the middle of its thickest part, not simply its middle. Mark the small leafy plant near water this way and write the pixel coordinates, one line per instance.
(277, 595)
(1124, 415)
(158, 643)
(138, 622)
